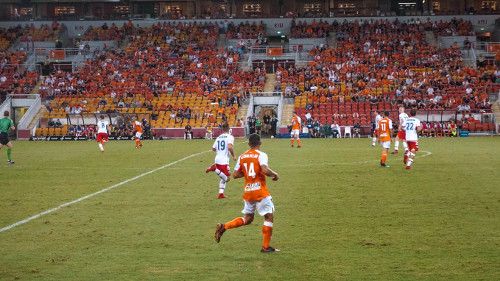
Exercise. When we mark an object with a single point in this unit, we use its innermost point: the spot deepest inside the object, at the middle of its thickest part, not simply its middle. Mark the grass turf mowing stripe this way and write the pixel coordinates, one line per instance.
(98, 192)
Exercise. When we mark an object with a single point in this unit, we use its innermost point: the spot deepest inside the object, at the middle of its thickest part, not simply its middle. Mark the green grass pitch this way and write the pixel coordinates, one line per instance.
(339, 216)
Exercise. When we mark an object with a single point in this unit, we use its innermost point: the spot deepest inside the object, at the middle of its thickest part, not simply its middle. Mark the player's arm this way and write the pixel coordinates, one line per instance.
(214, 147)
(270, 173)
(238, 172)
(230, 148)
(419, 129)
(12, 127)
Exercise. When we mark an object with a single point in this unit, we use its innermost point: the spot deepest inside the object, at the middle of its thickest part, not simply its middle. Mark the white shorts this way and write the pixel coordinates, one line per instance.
(295, 133)
(264, 206)
(138, 135)
(386, 144)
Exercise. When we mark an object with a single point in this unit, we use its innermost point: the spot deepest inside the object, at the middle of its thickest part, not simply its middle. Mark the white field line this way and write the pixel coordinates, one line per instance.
(427, 153)
(98, 192)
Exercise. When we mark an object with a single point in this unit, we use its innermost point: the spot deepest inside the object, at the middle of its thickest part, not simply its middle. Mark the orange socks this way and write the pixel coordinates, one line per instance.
(384, 157)
(298, 141)
(237, 222)
(267, 231)
(292, 141)
(138, 143)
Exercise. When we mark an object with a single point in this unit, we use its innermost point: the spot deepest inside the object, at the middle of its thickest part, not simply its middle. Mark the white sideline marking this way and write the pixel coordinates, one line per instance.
(98, 192)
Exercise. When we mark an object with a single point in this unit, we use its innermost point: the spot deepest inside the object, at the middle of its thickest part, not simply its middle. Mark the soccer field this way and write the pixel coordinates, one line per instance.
(339, 215)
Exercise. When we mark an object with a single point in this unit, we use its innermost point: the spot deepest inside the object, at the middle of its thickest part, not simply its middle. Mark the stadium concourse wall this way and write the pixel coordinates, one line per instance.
(76, 29)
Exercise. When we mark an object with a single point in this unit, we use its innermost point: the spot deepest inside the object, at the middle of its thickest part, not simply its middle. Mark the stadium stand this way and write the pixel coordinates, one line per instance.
(174, 72)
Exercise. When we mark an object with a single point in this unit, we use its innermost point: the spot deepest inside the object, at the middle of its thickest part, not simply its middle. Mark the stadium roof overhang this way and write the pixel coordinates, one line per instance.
(75, 2)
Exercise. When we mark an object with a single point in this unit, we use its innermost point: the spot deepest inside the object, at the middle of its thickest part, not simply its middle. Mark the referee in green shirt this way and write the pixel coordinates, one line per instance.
(6, 124)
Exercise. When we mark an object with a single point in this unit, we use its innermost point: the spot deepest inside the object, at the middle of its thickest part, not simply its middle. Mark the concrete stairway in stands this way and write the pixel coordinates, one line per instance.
(430, 37)
(242, 113)
(286, 117)
(39, 115)
(331, 40)
(495, 108)
(270, 82)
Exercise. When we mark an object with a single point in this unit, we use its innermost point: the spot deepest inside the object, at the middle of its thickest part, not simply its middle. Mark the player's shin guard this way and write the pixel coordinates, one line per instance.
(221, 174)
(292, 141)
(384, 157)
(237, 222)
(298, 142)
(396, 145)
(405, 145)
(374, 140)
(267, 232)
(9, 150)
(222, 186)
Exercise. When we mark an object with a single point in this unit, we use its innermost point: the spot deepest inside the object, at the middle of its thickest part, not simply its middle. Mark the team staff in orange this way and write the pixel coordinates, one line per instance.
(253, 166)
(384, 136)
(138, 132)
(296, 127)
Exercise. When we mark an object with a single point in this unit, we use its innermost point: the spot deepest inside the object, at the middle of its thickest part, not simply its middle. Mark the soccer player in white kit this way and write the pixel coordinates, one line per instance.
(375, 133)
(412, 127)
(223, 146)
(401, 133)
(102, 132)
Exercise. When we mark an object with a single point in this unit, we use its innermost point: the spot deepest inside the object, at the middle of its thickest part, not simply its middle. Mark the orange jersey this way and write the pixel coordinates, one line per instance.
(384, 128)
(138, 126)
(249, 164)
(296, 123)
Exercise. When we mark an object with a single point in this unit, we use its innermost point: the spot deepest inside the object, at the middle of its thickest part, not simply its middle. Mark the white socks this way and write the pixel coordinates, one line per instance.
(405, 145)
(100, 146)
(221, 175)
(222, 186)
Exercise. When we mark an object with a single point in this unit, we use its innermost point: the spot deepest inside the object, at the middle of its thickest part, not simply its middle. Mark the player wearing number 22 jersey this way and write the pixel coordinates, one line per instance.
(253, 166)
(223, 146)
(412, 127)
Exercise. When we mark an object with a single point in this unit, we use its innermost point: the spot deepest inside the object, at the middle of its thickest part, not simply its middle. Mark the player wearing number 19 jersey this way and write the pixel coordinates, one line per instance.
(411, 126)
(223, 146)
(253, 166)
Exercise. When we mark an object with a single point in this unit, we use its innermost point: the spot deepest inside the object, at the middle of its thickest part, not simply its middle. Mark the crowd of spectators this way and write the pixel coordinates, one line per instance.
(315, 29)
(385, 64)
(174, 61)
(245, 30)
(45, 32)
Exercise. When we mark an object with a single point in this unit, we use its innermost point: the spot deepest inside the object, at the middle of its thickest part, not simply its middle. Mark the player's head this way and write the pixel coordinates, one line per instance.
(386, 113)
(254, 140)
(6, 113)
(102, 117)
(294, 114)
(225, 127)
(413, 112)
(376, 112)
(401, 109)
